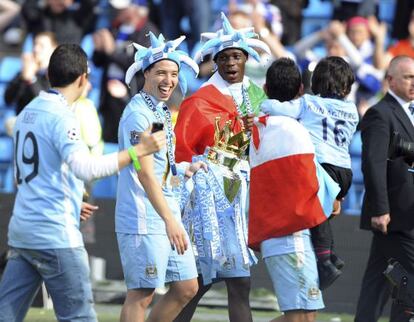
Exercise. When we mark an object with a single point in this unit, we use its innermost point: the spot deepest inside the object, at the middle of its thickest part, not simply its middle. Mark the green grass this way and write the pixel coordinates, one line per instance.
(110, 313)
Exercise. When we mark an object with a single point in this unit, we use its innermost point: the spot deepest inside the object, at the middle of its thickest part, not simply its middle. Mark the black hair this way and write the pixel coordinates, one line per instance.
(67, 63)
(283, 80)
(238, 48)
(332, 78)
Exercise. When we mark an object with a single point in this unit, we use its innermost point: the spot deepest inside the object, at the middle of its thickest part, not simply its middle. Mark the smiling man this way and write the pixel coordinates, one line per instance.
(222, 252)
(152, 241)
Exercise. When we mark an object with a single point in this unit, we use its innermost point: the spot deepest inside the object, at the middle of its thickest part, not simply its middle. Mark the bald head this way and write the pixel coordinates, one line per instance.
(397, 63)
(400, 76)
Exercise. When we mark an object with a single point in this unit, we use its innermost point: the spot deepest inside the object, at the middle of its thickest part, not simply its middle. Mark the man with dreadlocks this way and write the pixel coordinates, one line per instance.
(152, 241)
(213, 126)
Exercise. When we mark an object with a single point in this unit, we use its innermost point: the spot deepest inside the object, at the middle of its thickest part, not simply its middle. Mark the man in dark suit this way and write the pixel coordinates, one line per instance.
(388, 207)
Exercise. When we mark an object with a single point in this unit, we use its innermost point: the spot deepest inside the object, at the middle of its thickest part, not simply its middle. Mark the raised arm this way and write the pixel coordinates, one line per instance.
(274, 107)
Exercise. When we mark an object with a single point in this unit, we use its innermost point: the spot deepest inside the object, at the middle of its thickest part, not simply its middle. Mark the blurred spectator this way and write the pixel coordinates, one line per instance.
(291, 11)
(91, 134)
(402, 16)
(337, 43)
(368, 36)
(268, 13)
(346, 9)
(32, 79)
(173, 11)
(90, 126)
(68, 19)
(8, 11)
(254, 15)
(370, 64)
(114, 53)
(405, 46)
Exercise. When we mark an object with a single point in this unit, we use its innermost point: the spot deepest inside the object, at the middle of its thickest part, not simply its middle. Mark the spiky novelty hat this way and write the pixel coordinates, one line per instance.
(159, 50)
(228, 37)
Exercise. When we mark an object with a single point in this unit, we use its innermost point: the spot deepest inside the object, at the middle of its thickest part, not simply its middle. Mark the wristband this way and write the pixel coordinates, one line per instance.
(133, 155)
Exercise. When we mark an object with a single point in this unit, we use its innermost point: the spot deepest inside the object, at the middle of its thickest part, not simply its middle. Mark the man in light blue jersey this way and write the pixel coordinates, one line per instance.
(331, 122)
(290, 259)
(51, 163)
(152, 241)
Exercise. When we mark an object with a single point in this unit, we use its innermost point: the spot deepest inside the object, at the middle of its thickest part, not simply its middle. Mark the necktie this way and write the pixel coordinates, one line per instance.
(411, 108)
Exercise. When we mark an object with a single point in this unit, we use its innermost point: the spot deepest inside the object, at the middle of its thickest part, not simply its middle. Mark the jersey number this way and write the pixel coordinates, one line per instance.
(31, 160)
(337, 131)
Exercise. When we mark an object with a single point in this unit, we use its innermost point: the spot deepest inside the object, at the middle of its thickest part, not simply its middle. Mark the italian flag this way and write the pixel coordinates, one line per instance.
(289, 191)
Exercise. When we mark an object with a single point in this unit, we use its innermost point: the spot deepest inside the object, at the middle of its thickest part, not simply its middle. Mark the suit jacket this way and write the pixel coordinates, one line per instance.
(388, 184)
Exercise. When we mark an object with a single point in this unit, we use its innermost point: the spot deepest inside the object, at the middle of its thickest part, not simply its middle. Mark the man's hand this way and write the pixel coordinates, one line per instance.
(150, 143)
(176, 235)
(194, 167)
(248, 121)
(87, 211)
(336, 208)
(381, 222)
(29, 67)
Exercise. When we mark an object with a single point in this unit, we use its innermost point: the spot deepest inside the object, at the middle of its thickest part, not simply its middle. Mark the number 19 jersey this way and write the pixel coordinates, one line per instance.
(47, 207)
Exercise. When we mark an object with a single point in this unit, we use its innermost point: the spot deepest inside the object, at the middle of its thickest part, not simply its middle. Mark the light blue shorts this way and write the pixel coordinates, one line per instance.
(233, 265)
(295, 281)
(148, 261)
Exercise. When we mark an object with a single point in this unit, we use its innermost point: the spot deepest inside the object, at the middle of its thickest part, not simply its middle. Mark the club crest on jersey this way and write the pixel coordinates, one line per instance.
(134, 137)
(73, 134)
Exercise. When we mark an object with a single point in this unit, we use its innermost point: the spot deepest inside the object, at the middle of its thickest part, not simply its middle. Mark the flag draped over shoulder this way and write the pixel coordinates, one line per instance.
(194, 129)
(195, 125)
(289, 191)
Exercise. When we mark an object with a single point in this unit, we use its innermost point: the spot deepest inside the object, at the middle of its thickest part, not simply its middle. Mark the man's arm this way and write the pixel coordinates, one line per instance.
(375, 135)
(87, 167)
(147, 177)
(274, 107)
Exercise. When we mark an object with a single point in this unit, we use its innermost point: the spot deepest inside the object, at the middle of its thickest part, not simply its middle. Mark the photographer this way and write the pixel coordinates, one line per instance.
(388, 204)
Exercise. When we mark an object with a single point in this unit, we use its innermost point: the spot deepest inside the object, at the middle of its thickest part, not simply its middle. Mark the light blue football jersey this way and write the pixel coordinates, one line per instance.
(330, 122)
(134, 213)
(46, 212)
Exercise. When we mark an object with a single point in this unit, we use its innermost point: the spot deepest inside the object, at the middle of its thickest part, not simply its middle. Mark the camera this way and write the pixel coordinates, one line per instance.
(402, 285)
(400, 147)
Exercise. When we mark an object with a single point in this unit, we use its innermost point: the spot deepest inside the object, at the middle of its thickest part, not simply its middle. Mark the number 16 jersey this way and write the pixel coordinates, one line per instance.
(330, 122)
(47, 207)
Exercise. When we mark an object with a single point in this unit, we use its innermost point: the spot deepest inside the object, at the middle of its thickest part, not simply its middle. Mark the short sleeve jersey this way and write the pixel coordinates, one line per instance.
(134, 211)
(330, 122)
(46, 212)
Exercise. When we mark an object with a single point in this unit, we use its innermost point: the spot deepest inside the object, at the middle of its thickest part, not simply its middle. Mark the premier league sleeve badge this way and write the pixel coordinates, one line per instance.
(134, 137)
(73, 134)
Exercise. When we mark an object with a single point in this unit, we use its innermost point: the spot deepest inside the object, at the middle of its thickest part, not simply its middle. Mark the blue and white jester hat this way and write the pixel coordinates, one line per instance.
(159, 50)
(228, 37)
